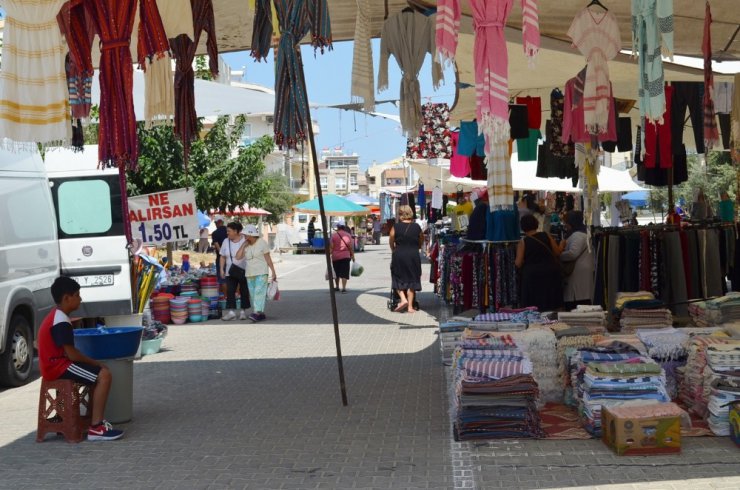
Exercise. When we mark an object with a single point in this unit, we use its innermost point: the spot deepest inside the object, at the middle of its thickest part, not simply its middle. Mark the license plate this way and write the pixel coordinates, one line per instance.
(94, 281)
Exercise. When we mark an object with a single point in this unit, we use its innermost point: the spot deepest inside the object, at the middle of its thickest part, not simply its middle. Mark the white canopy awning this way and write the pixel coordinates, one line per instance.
(524, 177)
(211, 98)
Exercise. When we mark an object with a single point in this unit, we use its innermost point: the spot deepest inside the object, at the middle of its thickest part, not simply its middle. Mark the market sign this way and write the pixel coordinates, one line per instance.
(161, 217)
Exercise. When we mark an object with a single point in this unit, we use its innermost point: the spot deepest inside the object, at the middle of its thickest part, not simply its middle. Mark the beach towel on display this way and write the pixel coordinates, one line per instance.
(34, 101)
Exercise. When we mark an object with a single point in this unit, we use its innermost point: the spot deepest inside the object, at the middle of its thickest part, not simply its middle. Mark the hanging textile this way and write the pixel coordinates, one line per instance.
(652, 22)
(183, 49)
(79, 65)
(435, 138)
(597, 37)
(735, 139)
(34, 105)
(159, 96)
(489, 54)
(296, 18)
(363, 83)
(500, 190)
(408, 36)
(574, 129)
(422, 200)
(114, 22)
(711, 134)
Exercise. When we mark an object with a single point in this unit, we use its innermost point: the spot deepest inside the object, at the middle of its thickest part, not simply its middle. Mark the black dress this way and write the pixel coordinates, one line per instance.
(542, 279)
(405, 262)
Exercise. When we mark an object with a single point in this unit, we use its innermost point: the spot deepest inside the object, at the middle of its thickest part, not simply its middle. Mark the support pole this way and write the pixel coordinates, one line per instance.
(325, 231)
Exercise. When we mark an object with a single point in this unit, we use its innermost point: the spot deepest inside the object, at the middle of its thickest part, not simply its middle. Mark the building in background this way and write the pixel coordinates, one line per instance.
(393, 175)
(340, 173)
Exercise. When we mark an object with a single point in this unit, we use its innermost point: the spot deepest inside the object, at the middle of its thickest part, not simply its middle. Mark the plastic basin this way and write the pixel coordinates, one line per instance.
(151, 346)
(108, 343)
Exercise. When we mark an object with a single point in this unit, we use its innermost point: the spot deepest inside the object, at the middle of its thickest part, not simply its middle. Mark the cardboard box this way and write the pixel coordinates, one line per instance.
(641, 435)
(735, 423)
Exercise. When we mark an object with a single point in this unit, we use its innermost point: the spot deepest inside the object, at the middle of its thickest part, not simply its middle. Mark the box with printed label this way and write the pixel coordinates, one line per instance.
(641, 434)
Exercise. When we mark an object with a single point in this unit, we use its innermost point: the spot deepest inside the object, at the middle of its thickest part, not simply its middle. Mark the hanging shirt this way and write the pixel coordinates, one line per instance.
(459, 164)
(408, 36)
(711, 133)
(596, 35)
(437, 198)
(652, 22)
(435, 138)
(574, 105)
(33, 85)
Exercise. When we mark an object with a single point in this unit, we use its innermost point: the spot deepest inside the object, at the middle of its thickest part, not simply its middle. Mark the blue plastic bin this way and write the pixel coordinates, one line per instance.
(108, 343)
(317, 242)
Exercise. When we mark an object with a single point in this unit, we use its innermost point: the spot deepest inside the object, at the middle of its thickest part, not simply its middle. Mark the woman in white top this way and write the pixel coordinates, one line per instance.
(257, 254)
(230, 256)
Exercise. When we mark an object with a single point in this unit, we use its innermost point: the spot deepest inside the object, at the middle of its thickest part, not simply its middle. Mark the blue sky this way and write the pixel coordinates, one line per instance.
(328, 80)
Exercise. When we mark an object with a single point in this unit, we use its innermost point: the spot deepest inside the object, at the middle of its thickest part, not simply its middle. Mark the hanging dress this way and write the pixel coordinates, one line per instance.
(408, 36)
(596, 35)
(34, 102)
(711, 134)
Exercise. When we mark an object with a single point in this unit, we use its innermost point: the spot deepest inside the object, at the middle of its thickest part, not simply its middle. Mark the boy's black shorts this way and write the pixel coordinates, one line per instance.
(82, 373)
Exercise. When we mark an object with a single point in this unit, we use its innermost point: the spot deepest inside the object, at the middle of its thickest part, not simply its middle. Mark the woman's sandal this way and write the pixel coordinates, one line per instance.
(400, 307)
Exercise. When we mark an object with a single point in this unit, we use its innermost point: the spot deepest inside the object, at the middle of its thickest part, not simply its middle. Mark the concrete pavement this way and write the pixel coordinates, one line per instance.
(230, 405)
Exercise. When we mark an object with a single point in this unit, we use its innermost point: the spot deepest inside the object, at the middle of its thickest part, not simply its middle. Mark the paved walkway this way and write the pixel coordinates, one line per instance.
(229, 405)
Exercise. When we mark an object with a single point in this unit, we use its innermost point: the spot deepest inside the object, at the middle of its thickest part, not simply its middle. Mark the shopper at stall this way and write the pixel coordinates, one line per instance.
(203, 241)
(217, 239)
(342, 252)
(259, 263)
(478, 220)
(60, 359)
(537, 259)
(406, 238)
(311, 229)
(577, 261)
(233, 269)
(726, 208)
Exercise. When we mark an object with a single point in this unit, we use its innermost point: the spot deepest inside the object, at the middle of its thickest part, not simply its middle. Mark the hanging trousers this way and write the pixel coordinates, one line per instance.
(687, 94)
(658, 138)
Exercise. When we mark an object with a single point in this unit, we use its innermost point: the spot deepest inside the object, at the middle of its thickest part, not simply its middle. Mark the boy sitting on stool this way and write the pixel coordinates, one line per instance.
(60, 359)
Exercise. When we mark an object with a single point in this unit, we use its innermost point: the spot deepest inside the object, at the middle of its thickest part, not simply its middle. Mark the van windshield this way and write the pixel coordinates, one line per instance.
(88, 206)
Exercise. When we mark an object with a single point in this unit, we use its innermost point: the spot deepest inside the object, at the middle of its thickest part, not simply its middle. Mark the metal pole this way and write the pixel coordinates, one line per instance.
(325, 228)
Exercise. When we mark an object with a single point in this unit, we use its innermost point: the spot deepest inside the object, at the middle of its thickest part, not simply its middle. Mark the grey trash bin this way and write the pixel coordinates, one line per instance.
(120, 406)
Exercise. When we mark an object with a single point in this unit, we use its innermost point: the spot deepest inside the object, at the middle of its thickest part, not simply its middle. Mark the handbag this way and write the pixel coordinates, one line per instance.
(561, 265)
(273, 291)
(570, 266)
(235, 272)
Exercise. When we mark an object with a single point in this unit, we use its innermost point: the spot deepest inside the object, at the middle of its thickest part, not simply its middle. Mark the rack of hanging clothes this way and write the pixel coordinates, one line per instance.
(476, 274)
(675, 263)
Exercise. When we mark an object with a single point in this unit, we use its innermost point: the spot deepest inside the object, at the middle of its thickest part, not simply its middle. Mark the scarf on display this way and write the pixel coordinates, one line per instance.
(711, 134)
(363, 82)
(296, 18)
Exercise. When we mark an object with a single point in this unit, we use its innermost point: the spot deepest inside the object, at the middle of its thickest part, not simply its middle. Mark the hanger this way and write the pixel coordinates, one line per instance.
(408, 9)
(598, 4)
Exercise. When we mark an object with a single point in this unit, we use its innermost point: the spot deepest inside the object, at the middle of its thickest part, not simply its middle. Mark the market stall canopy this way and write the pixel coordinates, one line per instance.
(334, 205)
(211, 98)
(362, 199)
(439, 175)
(524, 178)
(234, 23)
(637, 198)
(244, 210)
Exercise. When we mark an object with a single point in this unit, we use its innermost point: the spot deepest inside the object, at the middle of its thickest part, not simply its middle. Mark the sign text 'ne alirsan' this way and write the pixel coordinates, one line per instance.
(164, 216)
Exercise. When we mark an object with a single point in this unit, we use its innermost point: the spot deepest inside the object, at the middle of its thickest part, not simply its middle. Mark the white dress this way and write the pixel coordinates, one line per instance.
(34, 103)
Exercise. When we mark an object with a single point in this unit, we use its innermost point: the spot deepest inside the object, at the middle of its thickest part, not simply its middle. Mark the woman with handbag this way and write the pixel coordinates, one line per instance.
(406, 239)
(578, 263)
(537, 254)
(233, 268)
(257, 254)
(342, 252)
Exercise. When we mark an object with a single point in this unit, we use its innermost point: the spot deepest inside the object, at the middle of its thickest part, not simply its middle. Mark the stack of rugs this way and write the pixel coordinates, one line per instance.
(604, 378)
(626, 297)
(691, 390)
(667, 347)
(722, 384)
(592, 318)
(450, 333)
(506, 320)
(495, 393)
(644, 315)
(716, 312)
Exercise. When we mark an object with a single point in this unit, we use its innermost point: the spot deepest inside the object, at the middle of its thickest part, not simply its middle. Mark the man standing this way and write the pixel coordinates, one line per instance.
(377, 227)
(217, 238)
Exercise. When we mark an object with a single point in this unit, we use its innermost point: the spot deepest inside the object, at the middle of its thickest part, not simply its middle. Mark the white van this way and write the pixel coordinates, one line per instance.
(62, 215)
(92, 242)
(29, 260)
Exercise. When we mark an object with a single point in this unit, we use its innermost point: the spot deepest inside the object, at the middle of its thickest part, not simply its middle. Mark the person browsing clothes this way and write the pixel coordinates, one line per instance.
(237, 277)
(406, 239)
(342, 252)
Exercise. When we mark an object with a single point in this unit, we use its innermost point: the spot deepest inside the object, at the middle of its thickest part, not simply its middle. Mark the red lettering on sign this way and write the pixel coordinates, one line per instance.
(164, 198)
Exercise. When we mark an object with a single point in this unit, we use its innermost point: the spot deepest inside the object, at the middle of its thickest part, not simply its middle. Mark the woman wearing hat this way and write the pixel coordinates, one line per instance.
(257, 254)
(579, 284)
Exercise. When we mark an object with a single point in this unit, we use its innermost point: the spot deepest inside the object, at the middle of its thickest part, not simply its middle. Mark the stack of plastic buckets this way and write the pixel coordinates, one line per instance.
(209, 291)
(205, 308)
(195, 309)
(160, 306)
(179, 310)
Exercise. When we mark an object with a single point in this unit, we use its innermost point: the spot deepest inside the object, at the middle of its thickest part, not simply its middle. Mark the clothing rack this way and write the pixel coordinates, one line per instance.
(484, 242)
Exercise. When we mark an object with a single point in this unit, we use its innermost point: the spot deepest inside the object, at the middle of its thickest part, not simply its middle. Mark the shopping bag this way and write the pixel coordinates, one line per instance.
(357, 269)
(273, 291)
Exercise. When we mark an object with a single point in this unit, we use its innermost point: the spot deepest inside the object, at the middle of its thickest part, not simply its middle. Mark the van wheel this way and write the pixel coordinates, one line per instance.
(16, 361)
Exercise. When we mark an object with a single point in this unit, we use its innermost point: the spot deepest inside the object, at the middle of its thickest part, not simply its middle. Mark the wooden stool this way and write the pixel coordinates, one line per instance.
(60, 404)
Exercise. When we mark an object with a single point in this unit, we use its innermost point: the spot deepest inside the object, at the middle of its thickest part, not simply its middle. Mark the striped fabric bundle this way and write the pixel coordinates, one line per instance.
(691, 390)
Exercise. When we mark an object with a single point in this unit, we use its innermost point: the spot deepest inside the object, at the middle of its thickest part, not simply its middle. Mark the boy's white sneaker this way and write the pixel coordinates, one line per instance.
(228, 316)
(243, 315)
